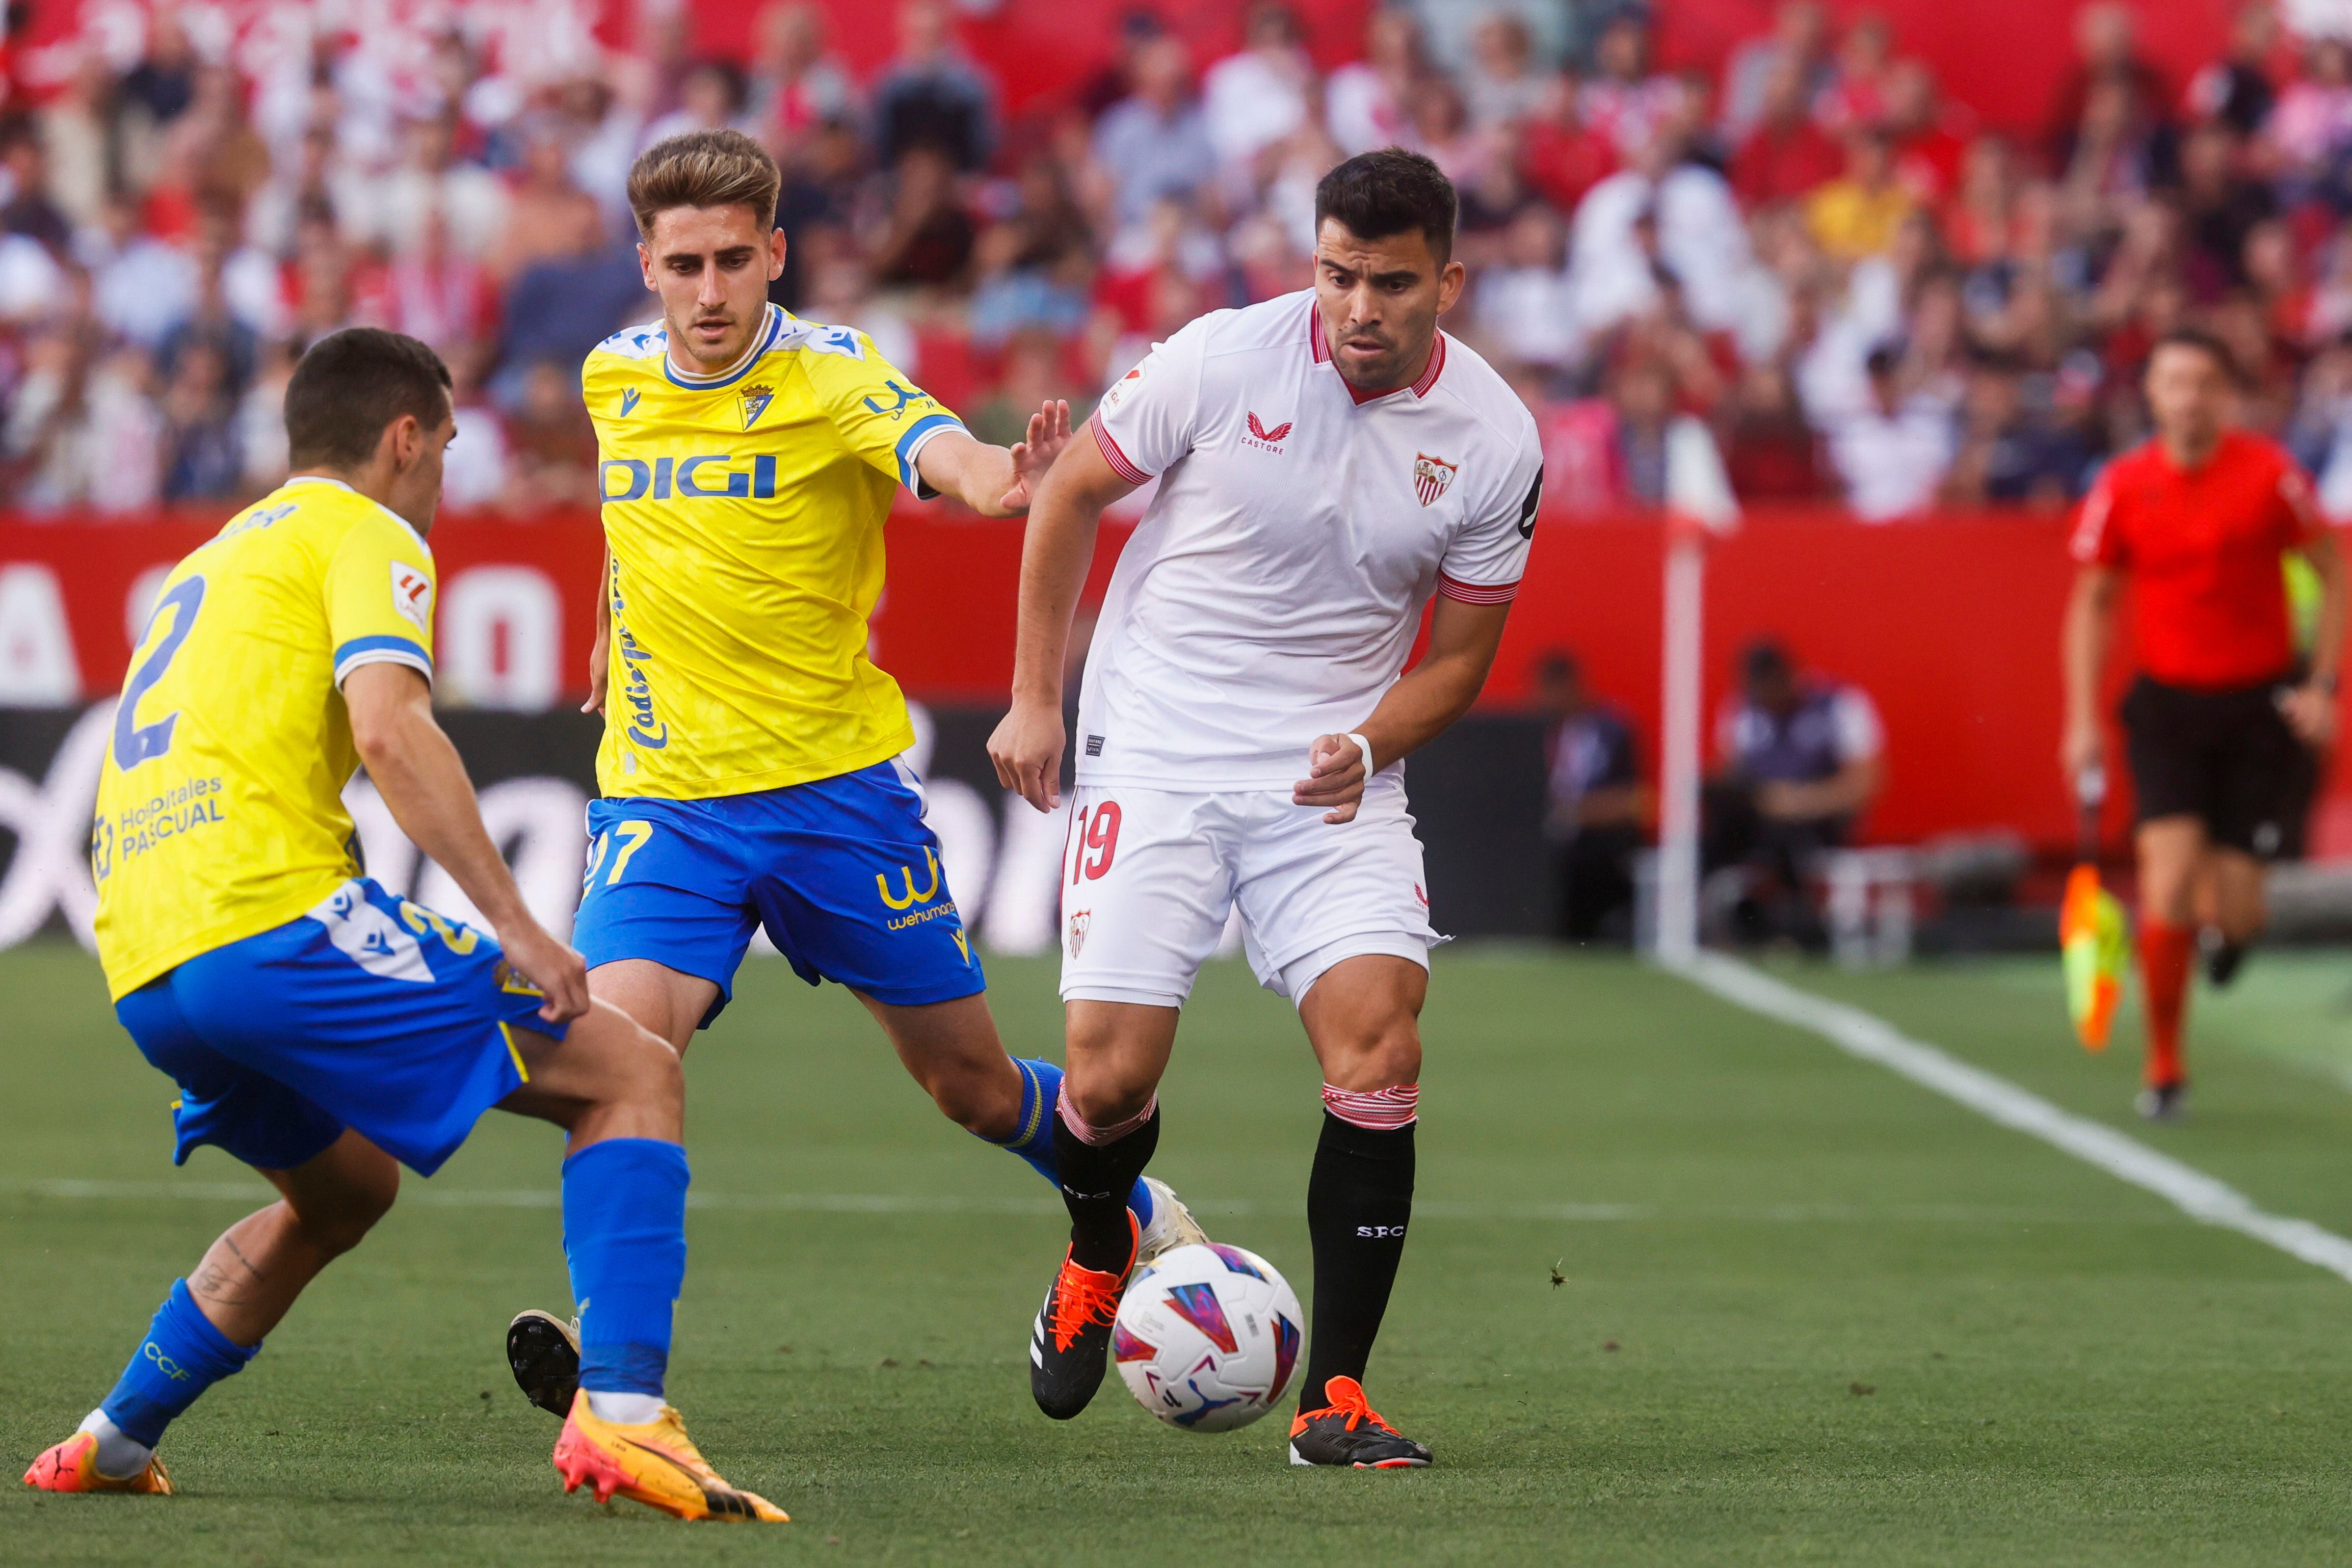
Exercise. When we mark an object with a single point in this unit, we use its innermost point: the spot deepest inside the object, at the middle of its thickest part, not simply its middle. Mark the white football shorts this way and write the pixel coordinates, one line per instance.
(1150, 875)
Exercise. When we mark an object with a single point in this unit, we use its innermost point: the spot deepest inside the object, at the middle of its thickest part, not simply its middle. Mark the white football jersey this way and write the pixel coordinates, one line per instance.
(1273, 588)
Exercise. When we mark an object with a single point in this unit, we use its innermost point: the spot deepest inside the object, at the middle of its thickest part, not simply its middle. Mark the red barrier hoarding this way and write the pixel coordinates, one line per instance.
(1950, 623)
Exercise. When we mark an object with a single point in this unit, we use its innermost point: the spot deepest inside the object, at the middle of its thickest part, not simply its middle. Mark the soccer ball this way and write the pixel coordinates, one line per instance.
(1207, 1337)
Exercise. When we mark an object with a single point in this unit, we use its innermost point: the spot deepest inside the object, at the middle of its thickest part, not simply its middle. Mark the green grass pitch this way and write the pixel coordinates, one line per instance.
(1812, 1314)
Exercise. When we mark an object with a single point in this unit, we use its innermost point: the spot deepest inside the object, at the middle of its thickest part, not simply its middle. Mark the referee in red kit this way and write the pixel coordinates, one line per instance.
(2222, 722)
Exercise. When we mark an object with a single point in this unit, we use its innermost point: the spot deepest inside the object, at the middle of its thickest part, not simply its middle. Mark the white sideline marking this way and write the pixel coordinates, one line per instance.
(1872, 1039)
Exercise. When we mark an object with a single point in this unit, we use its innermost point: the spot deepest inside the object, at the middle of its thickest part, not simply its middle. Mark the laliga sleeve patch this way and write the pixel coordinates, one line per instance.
(1124, 385)
(412, 595)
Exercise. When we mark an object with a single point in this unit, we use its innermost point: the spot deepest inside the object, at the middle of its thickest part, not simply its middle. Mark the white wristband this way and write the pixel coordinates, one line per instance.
(1366, 747)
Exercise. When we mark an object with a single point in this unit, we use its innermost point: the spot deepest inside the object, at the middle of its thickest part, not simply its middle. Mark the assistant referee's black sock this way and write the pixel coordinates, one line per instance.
(1096, 1176)
(1359, 1201)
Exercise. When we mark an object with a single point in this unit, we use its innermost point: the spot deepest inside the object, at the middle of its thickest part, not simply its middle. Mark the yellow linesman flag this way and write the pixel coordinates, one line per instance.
(2095, 946)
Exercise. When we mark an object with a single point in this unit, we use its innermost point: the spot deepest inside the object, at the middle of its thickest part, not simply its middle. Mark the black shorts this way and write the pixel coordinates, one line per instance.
(2225, 757)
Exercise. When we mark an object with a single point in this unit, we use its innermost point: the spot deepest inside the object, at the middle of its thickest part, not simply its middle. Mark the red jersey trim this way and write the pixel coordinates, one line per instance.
(1478, 592)
(1113, 456)
(1437, 363)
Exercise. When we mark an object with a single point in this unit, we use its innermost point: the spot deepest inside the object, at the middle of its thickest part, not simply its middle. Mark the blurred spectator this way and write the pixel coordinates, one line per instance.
(1624, 101)
(1921, 132)
(2011, 452)
(28, 208)
(2237, 88)
(2313, 125)
(1597, 807)
(1036, 264)
(549, 217)
(1865, 56)
(2219, 207)
(1787, 154)
(1769, 451)
(201, 460)
(1560, 157)
(926, 238)
(82, 434)
(468, 202)
(1857, 214)
(1891, 454)
(1798, 760)
(1798, 48)
(76, 131)
(795, 86)
(1524, 308)
(1156, 142)
(931, 96)
(1364, 101)
(551, 446)
(2107, 42)
(1033, 373)
(714, 96)
(1258, 97)
(1505, 83)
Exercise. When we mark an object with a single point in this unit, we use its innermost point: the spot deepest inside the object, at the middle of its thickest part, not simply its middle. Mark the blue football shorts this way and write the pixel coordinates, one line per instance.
(842, 872)
(368, 1012)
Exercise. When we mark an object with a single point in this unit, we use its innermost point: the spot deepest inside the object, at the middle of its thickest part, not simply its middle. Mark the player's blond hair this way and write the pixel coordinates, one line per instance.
(703, 169)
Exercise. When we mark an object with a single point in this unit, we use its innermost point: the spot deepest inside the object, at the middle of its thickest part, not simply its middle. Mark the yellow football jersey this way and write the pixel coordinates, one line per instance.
(220, 809)
(744, 510)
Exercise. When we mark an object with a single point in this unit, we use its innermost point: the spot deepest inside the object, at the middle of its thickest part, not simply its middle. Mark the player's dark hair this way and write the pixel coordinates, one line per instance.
(1376, 194)
(704, 169)
(352, 384)
(2205, 343)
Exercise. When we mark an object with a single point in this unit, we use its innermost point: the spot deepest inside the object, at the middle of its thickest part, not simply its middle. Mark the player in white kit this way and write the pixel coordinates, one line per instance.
(1328, 462)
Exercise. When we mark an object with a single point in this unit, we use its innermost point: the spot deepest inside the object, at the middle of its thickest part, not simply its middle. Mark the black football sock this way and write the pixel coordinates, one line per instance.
(1095, 1180)
(1357, 1203)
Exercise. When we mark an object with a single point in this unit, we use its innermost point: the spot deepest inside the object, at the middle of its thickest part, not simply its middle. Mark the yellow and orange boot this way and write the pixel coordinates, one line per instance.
(654, 1463)
(72, 1466)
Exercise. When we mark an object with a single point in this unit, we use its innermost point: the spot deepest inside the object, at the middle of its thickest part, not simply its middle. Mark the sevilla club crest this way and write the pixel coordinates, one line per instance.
(1079, 922)
(1431, 475)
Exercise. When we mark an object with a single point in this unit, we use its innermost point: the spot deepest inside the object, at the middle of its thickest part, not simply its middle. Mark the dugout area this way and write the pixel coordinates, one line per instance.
(1812, 1313)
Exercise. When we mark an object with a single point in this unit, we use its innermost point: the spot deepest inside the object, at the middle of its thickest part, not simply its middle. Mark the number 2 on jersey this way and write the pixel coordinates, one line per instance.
(1098, 842)
(135, 742)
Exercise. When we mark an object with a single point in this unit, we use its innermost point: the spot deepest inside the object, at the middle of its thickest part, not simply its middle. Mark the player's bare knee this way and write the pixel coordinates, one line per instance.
(1384, 1054)
(338, 1220)
(1108, 1096)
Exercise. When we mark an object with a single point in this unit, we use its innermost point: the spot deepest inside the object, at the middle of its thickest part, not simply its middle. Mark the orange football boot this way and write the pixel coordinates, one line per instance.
(72, 1466)
(655, 1464)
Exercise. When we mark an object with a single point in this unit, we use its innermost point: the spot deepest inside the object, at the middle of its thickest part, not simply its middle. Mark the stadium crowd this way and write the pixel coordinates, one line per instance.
(1864, 295)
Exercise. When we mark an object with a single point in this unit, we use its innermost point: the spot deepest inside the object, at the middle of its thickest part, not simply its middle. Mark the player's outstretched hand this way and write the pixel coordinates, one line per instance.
(1335, 778)
(1027, 751)
(560, 974)
(1049, 432)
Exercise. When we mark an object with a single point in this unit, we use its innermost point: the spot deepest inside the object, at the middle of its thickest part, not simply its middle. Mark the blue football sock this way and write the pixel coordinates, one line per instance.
(1041, 1087)
(624, 1237)
(182, 1356)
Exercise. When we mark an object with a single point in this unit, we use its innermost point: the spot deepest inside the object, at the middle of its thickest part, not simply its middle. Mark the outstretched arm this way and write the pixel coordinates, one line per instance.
(421, 778)
(1055, 555)
(1462, 638)
(996, 481)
